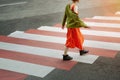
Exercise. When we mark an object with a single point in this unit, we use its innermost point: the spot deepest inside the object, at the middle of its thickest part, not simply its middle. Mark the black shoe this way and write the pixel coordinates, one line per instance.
(67, 57)
(82, 52)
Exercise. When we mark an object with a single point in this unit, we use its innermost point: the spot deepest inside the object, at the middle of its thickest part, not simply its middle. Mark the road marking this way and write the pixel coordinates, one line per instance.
(86, 32)
(37, 59)
(11, 4)
(46, 52)
(60, 34)
(56, 46)
(101, 20)
(61, 40)
(26, 68)
(98, 24)
(106, 17)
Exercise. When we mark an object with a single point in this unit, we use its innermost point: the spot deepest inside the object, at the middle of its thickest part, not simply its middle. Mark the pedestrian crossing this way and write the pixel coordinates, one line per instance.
(39, 51)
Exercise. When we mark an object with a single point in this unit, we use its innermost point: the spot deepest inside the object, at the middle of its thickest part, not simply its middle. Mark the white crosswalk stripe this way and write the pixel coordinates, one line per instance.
(103, 24)
(106, 18)
(26, 68)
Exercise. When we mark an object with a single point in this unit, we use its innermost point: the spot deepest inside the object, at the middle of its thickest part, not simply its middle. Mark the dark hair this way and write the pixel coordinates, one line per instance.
(75, 0)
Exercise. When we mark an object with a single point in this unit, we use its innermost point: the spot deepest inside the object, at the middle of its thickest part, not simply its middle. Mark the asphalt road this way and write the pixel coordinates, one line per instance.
(15, 9)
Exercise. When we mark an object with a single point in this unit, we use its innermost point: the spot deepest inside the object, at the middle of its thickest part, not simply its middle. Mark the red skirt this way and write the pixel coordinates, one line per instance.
(74, 38)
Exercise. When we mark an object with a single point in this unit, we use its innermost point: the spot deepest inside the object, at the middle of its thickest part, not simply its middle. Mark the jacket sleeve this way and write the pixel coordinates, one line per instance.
(64, 19)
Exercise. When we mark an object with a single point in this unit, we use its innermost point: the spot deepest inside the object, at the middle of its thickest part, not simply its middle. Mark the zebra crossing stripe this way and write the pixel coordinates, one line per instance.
(101, 20)
(87, 37)
(85, 32)
(88, 43)
(45, 52)
(98, 24)
(106, 18)
(25, 68)
(97, 28)
(37, 59)
(56, 46)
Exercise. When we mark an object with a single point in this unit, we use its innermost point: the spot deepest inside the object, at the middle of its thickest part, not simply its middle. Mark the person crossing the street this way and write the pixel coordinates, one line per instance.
(73, 25)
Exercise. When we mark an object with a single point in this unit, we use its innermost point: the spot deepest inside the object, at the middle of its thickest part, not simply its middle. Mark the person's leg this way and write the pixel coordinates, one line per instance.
(69, 44)
(66, 50)
(65, 55)
(79, 39)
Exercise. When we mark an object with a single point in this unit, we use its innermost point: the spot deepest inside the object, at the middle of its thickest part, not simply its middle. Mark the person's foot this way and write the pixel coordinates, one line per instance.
(82, 52)
(67, 57)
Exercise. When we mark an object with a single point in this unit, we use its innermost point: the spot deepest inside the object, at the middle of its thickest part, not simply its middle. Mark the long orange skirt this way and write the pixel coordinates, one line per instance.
(74, 38)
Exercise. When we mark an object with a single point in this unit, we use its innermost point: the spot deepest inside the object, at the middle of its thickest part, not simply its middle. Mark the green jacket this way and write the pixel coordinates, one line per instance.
(72, 19)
